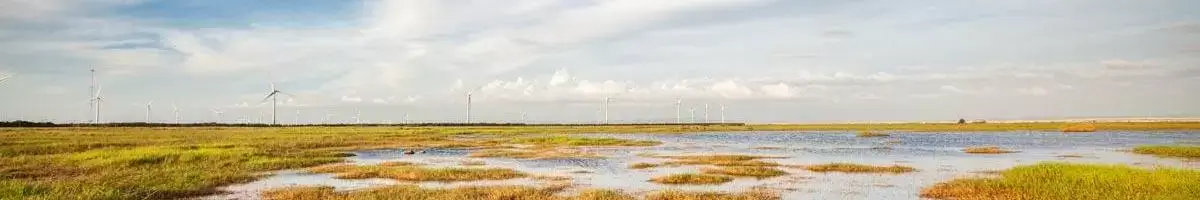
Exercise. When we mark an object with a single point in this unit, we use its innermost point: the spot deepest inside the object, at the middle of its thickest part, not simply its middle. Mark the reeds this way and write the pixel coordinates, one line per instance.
(757, 172)
(1181, 151)
(1073, 181)
(642, 165)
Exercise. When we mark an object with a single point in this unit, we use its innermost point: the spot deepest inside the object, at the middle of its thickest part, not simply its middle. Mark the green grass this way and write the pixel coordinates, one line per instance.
(1074, 181)
(871, 134)
(408, 192)
(857, 168)
(1182, 151)
(580, 141)
(691, 179)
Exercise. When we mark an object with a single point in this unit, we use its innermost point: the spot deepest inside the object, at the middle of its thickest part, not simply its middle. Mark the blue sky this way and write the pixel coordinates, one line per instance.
(767, 60)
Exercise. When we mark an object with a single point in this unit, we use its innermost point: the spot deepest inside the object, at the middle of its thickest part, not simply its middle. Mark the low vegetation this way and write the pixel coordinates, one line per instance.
(1081, 127)
(858, 168)
(691, 179)
(752, 194)
(540, 153)
(410, 173)
(580, 141)
(719, 160)
(642, 165)
(872, 134)
(986, 150)
(1073, 181)
(472, 163)
(757, 172)
(502, 192)
(1182, 151)
(398, 164)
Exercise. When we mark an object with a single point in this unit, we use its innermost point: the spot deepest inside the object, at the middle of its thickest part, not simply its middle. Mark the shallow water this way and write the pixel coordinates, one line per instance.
(937, 156)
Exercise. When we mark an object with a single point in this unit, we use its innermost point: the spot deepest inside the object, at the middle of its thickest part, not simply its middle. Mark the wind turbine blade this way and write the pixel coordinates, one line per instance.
(269, 95)
(98, 90)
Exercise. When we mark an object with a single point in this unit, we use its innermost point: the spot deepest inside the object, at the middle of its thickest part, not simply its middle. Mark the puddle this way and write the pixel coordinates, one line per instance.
(938, 157)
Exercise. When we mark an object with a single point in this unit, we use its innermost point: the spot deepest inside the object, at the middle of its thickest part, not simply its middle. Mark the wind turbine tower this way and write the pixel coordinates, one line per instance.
(706, 113)
(693, 114)
(722, 113)
(607, 100)
(678, 117)
(274, 102)
(469, 107)
(148, 104)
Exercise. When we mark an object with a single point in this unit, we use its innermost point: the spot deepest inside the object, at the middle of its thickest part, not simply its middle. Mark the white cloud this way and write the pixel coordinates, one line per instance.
(1035, 91)
(780, 90)
(351, 99)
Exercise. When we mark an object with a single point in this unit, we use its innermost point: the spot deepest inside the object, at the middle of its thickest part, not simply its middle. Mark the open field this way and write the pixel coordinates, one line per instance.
(163, 163)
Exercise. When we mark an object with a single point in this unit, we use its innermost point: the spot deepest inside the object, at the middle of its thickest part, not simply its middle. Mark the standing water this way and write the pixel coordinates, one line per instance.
(938, 157)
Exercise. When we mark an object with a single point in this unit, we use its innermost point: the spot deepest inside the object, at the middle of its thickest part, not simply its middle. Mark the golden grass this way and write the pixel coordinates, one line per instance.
(410, 173)
(642, 165)
(871, 134)
(540, 153)
(472, 163)
(858, 168)
(550, 178)
(580, 141)
(752, 194)
(1182, 151)
(1081, 127)
(600, 194)
(986, 150)
(691, 179)
(757, 172)
(1073, 181)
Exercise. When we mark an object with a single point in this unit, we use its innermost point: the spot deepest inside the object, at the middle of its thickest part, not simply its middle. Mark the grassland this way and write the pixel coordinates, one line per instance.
(718, 160)
(167, 163)
(414, 173)
(858, 168)
(1073, 181)
(1182, 151)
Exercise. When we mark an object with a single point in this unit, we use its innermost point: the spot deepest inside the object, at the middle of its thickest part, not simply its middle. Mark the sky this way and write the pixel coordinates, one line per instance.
(764, 61)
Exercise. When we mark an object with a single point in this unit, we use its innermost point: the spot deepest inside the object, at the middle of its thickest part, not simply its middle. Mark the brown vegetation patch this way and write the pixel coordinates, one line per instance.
(757, 172)
(986, 150)
(858, 168)
(691, 179)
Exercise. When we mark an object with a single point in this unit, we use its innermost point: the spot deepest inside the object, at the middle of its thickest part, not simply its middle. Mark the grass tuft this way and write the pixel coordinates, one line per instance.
(642, 165)
(986, 150)
(691, 179)
(857, 168)
(600, 194)
(719, 160)
(1073, 181)
(1169, 150)
(757, 172)
(541, 153)
(398, 164)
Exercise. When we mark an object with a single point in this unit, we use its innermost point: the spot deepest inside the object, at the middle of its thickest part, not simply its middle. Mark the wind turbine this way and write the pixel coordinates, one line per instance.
(98, 100)
(722, 113)
(297, 121)
(523, 115)
(469, 106)
(678, 117)
(357, 116)
(148, 104)
(217, 113)
(406, 118)
(605, 107)
(271, 95)
(693, 114)
(175, 110)
(706, 113)
(4, 77)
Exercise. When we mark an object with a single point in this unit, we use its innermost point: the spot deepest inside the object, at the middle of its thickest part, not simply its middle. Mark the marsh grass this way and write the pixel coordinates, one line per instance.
(408, 192)
(752, 194)
(580, 141)
(412, 173)
(398, 164)
(757, 172)
(719, 160)
(867, 134)
(1182, 151)
(472, 163)
(1079, 128)
(858, 168)
(986, 150)
(691, 179)
(643, 165)
(1073, 181)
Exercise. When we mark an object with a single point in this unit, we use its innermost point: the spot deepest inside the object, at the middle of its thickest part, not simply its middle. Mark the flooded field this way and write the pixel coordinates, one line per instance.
(937, 157)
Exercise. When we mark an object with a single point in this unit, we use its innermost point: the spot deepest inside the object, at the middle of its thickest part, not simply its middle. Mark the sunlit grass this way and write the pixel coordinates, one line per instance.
(580, 141)
(1182, 151)
(986, 150)
(1074, 181)
(858, 168)
(541, 153)
(1081, 127)
(691, 179)
(502, 193)
(411, 173)
(757, 172)
(719, 160)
